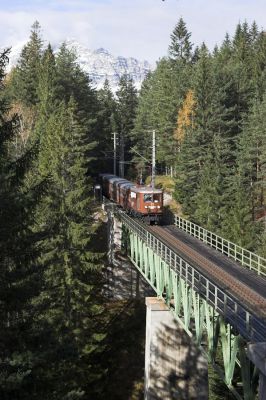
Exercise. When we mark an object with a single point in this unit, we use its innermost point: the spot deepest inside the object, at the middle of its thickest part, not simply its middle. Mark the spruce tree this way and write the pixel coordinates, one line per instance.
(26, 74)
(68, 300)
(18, 259)
(46, 90)
(238, 224)
(65, 310)
(106, 126)
(251, 163)
(47, 97)
(180, 47)
(192, 155)
(210, 197)
(126, 110)
(73, 82)
(160, 98)
(258, 60)
(206, 154)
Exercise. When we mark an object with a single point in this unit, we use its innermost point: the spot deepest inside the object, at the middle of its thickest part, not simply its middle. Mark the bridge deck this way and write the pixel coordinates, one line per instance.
(244, 285)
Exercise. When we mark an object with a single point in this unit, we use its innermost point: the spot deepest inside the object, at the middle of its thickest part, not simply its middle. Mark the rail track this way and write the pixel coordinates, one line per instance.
(244, 285)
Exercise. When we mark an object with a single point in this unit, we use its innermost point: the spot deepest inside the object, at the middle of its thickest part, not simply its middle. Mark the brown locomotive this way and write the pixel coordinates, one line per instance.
(139, 201)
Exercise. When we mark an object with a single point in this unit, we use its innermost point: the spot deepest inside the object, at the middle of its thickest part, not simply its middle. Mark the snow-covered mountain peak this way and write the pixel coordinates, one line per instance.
(99, 64)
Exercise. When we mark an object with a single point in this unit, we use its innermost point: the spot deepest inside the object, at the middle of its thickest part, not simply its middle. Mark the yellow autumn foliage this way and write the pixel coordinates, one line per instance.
(185, 116)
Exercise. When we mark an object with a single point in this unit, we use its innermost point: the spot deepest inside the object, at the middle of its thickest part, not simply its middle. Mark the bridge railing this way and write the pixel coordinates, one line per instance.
(231, 250)
(247, 323)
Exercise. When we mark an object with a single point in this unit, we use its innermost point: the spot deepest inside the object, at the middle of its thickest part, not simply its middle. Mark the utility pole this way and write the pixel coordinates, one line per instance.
(153, 161)
(122, 156)
(114, 153)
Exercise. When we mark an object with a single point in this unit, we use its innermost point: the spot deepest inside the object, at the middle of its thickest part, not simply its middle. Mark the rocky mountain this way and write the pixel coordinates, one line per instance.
(100, 64)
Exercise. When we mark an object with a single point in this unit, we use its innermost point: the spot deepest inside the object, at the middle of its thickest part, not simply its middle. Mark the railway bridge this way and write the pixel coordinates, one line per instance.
(215, 291)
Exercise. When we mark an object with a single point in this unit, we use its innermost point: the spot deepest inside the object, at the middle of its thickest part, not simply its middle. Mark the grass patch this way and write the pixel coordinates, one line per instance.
(164, 182)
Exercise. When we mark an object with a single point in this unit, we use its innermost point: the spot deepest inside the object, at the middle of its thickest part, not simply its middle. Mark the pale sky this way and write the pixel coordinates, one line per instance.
(136, 28)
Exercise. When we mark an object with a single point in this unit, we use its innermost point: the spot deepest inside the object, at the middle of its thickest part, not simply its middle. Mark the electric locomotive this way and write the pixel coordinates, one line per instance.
(139, 201)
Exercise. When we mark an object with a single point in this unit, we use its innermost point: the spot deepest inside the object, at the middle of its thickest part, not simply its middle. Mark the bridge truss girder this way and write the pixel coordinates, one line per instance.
(224, 347)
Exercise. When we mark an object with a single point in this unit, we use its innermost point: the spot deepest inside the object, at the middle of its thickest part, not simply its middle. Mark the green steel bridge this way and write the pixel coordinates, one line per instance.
(215, 289)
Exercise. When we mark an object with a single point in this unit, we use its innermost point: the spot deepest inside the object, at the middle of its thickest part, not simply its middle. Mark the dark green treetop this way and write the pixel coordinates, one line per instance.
(180, 47)
(26, 75)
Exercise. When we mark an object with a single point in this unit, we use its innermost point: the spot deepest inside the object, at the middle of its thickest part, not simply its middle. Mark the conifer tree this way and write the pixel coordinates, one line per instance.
(143, 122)
(258, 60)
(106, 126)
(193, 151)
(208, 142)
(238, 225)
(22, 87)
(73, 82)
(69, 313)
(65, 311)
(160, 98)
(210, 198)
(47, 96)
(251, 163)
(126, 110)
(26, 74)
(180, 47)
(47, 80)
(19, 273)
(225, 52)
(242, 72)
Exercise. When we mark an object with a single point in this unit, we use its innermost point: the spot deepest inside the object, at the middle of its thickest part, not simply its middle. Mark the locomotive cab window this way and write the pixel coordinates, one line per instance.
(156, 197)
(147, 197)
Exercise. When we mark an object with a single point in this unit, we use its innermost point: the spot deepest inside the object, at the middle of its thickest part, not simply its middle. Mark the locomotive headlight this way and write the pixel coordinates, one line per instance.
(146, 207)
(158, 207)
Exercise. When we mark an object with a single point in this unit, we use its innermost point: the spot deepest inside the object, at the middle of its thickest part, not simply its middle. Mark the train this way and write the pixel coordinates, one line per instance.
(139, 201)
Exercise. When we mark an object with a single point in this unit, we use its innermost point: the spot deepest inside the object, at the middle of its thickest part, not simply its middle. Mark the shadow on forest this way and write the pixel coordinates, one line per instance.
(124, 355)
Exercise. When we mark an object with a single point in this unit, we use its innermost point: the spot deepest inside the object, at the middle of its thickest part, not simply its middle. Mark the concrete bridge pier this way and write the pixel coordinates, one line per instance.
(256, 352)
(174, 366)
